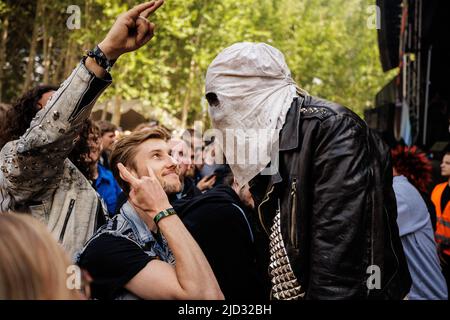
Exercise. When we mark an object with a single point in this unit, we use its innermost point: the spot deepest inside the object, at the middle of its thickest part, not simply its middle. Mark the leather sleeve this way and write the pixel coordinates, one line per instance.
(341, 175)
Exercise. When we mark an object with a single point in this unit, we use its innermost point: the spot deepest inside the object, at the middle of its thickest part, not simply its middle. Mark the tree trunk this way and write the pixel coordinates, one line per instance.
(117, 110)
(44, 52)
(189, 87)
(61, 60)
(48, 44)
(33, 45)
(187, 97)
(3, 42)
(105, 110)
(87, 23)
(68, 65)
(56, 75)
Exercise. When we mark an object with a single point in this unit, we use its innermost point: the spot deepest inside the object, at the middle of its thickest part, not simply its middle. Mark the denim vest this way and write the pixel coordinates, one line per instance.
(129, 225)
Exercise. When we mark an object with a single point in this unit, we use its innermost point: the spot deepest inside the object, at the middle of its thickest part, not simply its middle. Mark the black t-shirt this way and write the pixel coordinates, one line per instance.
(445, 198)
(112, 262)
(223, 233)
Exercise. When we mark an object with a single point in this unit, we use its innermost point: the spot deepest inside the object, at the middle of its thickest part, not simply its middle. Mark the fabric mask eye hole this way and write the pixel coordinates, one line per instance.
(213, 100)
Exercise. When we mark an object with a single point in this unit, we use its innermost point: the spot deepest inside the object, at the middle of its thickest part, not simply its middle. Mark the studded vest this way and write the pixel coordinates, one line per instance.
(285, 285)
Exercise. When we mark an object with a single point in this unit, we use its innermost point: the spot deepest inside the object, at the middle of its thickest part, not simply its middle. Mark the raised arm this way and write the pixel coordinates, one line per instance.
(32, 165)
(192, 277)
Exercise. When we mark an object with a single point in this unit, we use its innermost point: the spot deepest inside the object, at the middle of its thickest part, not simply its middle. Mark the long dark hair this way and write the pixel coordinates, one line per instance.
(4, 125)
(18, 117)
(81, 150)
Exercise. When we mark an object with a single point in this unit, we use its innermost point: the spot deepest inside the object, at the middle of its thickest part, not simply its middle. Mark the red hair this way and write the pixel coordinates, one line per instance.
(412, 163)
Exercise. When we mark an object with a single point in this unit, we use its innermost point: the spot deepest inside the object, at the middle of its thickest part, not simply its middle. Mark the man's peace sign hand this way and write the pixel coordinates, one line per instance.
(146, 193)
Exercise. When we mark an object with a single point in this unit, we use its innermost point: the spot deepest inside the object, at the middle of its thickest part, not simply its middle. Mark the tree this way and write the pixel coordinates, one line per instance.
(4, 21)
(327, 45)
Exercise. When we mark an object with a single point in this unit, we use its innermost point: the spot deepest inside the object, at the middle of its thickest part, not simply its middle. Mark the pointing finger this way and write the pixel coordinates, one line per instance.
(137, 10)
(127, 176)
(151, 173)
(151, 9)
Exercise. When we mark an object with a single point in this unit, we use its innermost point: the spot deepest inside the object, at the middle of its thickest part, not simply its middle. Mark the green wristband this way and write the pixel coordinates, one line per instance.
(163, 214)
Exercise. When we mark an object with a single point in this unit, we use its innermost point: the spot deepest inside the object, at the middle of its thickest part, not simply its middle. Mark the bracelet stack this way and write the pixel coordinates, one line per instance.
(101, 59)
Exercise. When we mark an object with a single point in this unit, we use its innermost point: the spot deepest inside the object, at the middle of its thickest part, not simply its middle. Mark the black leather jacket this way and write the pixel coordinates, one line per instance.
(338, 208)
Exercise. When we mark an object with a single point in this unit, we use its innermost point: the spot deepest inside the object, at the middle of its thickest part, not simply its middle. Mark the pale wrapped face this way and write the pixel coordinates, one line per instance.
(240, 80)
(249, 91)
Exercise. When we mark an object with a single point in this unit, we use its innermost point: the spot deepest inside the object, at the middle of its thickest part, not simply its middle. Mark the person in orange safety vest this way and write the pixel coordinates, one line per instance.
(441, 200)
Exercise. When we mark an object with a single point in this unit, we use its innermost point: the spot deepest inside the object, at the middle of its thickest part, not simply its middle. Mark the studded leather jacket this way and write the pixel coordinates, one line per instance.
(37, 177)
(337, 208)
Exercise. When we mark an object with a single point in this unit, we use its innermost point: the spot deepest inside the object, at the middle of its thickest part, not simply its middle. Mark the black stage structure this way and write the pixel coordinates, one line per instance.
(414, 106)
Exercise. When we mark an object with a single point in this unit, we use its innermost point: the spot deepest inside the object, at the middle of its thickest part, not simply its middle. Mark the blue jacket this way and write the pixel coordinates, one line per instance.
(108, 188)
(418, 242)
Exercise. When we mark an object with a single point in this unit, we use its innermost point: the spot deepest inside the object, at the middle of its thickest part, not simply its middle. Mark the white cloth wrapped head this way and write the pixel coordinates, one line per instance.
(249, 89)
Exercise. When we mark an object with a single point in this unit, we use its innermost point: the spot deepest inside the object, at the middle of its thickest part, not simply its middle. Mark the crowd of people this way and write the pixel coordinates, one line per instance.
(326, 212)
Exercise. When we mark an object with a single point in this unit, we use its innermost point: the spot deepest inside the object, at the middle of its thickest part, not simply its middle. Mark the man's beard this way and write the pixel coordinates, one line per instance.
(169, 187)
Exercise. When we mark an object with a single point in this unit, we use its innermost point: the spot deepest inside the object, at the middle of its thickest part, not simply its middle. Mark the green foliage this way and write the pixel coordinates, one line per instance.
(328, 46)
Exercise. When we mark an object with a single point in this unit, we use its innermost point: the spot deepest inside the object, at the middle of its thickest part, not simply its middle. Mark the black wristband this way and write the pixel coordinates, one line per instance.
(101, 59)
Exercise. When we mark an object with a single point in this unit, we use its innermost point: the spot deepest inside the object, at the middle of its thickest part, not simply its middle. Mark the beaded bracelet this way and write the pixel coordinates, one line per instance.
(163, 214)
